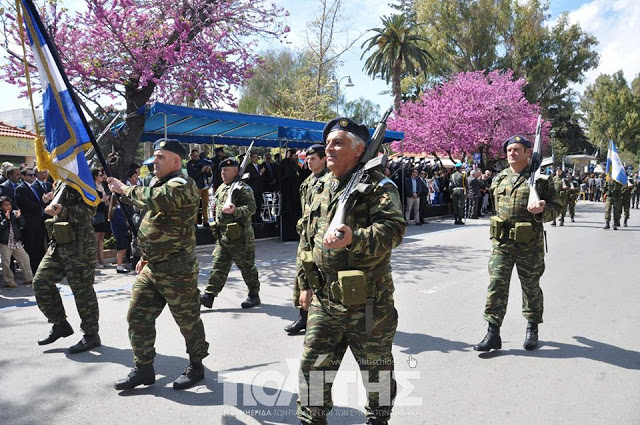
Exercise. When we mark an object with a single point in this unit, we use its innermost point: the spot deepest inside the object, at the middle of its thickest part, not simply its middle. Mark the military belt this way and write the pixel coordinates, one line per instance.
(329, 277)
(174, 264)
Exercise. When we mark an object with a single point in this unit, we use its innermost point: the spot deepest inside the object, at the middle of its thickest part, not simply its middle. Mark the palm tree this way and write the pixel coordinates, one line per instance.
(399, 53)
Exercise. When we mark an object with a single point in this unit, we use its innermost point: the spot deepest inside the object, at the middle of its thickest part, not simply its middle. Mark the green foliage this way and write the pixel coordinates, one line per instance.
(362, 111)
(284, 84)
(399, 52)
(612, 111)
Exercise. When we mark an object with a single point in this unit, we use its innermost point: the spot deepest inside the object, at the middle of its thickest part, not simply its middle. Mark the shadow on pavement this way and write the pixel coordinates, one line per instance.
(287, 312)
(415, 343)
(592, 350)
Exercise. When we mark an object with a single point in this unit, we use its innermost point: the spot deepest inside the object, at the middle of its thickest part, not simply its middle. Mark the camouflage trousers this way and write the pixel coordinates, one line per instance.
(617, 210)
(225, 253)
(626, 205)
(565, 204)
(153, 290)
(571, 203)
(457, 203)
(331, 329)
(80, 274)
(529, 261)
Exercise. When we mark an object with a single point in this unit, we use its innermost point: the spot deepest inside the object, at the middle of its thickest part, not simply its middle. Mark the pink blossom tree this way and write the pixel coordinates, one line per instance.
(138, 50)
(472, 112)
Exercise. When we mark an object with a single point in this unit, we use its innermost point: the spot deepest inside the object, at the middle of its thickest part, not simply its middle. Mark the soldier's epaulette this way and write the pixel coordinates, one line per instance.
(177, 181)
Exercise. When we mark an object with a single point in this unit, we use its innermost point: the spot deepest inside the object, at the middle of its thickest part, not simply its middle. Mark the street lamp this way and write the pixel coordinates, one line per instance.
(348, 84)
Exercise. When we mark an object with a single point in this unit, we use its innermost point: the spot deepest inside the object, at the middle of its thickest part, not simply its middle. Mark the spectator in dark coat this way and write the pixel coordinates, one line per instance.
(31, 202)
(8, 188)
(256, 182)
(11, 226)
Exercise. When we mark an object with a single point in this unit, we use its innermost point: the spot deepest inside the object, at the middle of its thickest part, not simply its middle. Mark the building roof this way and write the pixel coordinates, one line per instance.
(17, 132)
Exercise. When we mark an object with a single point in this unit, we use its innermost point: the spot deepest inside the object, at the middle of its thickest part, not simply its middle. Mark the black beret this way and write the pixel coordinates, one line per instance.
(171, 145)
(317, 149)
(516, 139)
(345, 124)
(228, 162)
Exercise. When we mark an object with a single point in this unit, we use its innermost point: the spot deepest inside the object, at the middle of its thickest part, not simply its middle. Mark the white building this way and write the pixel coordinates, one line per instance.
(21, 118)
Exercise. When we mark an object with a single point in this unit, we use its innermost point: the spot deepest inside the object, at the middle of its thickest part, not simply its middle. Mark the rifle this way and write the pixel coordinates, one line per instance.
(536, 161)
(358, 182)
(236, 183)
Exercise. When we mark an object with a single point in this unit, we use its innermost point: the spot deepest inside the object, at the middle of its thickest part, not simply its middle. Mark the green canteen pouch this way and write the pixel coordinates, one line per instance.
(496, 227)
(233, 232)
(63, 232)
(48, 224)
(521, 232)
(353, 284)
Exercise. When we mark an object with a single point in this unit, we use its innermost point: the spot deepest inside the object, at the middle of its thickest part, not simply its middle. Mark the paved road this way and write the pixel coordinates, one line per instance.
(587, 370)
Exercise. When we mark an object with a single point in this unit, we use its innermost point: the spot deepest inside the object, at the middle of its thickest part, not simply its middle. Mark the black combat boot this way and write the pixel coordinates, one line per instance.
(374, 421)
(491, 341)
(573, 220)
(625, 223)
(561, 222)
(59, 330)
(606, 225)
(299, 324)
(531, 337)
(193, 374)
(207, 300)
(553, 223)
(252, 300)
(142, 374)
(616, 225)
(87, 342)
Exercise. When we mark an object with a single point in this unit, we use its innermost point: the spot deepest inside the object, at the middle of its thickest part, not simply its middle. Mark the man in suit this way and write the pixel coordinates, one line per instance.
(424, 196)
(256, 183)
(270, 176)
(31, 201)
(412, 192)
(8, 188)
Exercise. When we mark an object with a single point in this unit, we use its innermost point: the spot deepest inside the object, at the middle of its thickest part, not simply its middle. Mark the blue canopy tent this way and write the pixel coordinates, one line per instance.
(206, 126)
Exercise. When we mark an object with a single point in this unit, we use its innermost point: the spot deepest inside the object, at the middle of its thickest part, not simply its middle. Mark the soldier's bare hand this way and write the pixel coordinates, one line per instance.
(229, 209)
(139, 266)
(331, 240)
(115, 185)
(536, 207)
(53, 209)
(305, 298)
(17, 213)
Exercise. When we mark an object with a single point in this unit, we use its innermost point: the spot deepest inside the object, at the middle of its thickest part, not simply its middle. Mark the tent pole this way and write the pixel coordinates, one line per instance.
(165, 126)
(280, 186)
(402, 201)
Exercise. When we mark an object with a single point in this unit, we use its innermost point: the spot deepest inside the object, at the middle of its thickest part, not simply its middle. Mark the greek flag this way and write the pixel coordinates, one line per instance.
(615, 168)
(67, 136)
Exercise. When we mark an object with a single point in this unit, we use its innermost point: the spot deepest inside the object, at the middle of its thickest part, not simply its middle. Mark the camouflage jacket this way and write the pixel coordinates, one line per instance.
(511, 196)
(245, 204)
(458, 181)
(561, 186)
(311, 186)
(376, 220)
(626, 191)
(167, 229)
(613, 189)
(77, 212)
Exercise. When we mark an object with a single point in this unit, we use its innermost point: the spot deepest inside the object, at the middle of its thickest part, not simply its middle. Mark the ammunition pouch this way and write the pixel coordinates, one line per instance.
(521, 232)
(310, 270)
(48, 224)
(233, 231)
(353, 287)
(62, 232)
(497, 227)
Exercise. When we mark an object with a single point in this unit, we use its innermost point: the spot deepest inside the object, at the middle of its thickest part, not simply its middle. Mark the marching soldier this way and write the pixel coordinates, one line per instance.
(518, 239)
(458, 189)
(168, 269)
(635, 192)
(572, 195)
(626, 199)
(352, 305)
(613, 190)
(235, 238)
(562, 190)
(317, 162)
(71, 254)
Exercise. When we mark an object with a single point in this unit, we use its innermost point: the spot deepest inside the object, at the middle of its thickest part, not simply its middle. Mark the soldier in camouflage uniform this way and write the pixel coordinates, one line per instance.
(561, 186)
(572, 195)
(613, 190)
(626, 200)
(458, 189)
(71, 254)
(168, 270)
(360, 260)
(635, 192)
(236, 241)
(518, 239)
(317, 163)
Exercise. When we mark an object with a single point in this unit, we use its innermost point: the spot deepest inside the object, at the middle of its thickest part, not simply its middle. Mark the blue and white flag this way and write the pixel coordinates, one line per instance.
(615, 168)
(67, 133)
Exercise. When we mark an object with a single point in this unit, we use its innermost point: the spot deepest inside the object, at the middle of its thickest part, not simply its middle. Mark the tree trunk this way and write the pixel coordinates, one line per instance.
(395, 84)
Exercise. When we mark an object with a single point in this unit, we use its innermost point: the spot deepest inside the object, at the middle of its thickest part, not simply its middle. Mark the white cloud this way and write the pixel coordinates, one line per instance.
(616, 25)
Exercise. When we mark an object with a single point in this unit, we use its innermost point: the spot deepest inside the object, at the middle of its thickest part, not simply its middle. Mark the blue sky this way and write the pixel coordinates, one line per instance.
(616, 24)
